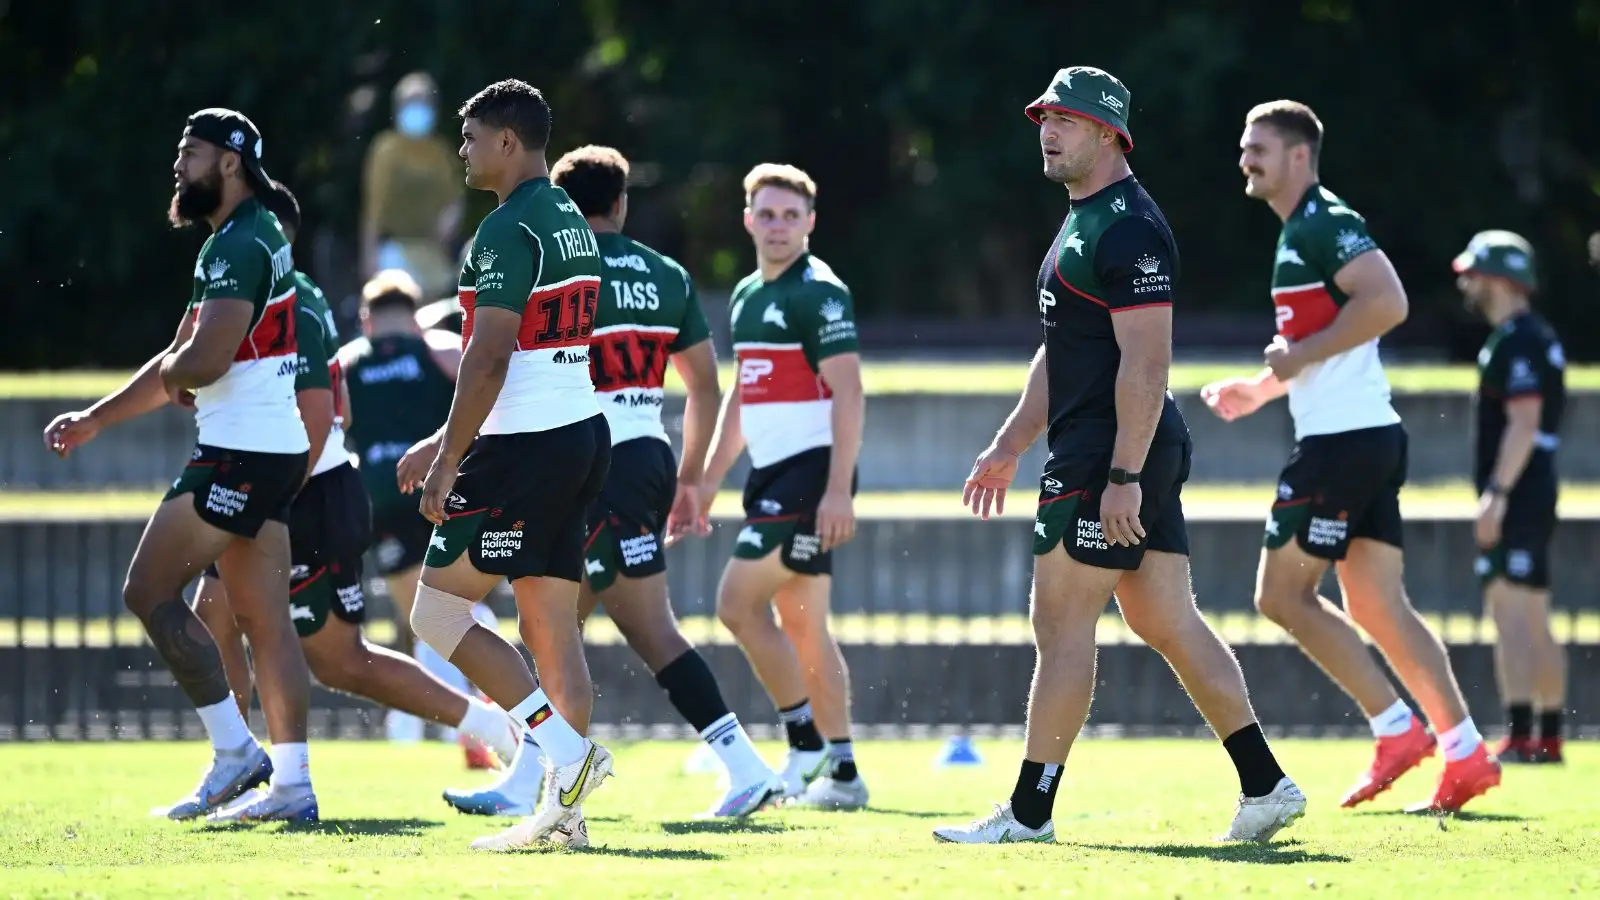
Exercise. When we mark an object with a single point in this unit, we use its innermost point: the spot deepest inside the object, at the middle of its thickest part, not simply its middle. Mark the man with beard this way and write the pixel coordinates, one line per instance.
(1110, 516)
(330, 524)
(1338, 499)
(233, 362)
(1521, 397)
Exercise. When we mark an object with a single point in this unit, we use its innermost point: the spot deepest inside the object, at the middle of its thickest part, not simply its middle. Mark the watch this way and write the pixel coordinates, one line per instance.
(1122, 476)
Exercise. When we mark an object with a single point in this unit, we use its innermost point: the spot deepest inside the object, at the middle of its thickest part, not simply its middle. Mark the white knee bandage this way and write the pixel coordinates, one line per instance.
(441, 620)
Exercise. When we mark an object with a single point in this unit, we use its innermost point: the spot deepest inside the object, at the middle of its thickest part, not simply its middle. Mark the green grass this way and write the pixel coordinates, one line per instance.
(1201, 501)
(881, 378)
(1134, 819)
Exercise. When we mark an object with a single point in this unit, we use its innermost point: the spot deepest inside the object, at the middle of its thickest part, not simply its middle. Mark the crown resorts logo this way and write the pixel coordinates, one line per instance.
(487, 258)
(832, 310)
(1147, 264)
(217, 269)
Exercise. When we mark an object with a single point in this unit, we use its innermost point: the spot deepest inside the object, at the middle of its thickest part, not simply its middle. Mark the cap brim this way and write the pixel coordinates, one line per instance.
(256, 170)
(1036, 107)
(1462, 263)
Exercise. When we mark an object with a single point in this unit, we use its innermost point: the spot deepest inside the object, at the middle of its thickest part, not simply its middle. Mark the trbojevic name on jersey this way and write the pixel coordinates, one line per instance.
(252, 406)
(648, 311)
(536, 256)
(782, 331)
(1348, 391)
(317, 337)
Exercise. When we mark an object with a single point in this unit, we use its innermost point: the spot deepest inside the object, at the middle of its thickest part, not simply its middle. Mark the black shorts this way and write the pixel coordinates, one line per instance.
(780, 511)
(330, 525)
(238, 491)
(400, 537)
(628, 520)
(1523, 555)
(1339, 487)
(521, 501)
(1069, 500)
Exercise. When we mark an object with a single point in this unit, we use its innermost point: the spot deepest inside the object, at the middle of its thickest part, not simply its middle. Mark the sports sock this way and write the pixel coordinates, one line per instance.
(224, 725)
(1033, 800)
(521, 781)
(291, 765)
(841, 759)
(797, 721)
(1460, 742)
(1550, 724)
(1392, 722)
(563, 745)
(728, 740)
(1520, 718)
(1259, 772)
(487, 723)
(693, 690)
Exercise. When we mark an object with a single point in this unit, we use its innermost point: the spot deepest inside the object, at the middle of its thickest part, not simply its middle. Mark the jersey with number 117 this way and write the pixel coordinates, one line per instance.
(536, 256)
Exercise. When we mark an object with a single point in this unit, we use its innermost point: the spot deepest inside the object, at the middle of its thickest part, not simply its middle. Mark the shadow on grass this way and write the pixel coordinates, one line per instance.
(1280, 854)
(1462, 815)
(366, 827)
(677, 854)
(918, 814)
(724, 826)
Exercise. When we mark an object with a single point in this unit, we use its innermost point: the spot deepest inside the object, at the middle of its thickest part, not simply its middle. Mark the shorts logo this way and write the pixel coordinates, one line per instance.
(299, 572)
(455, 500)
(297, 612)
(501, 544)
(1038, 528)
(1327, 532)
(1285, 492)
(352, 599)
(748, 535)
(594, 567)
(1519, 563)
(1090, 536)
(637, 550)
(436, 542)
(389, 552)
(805, 547)
(769, 506)
(1053, 486)
(1482, 566)
(227, 501)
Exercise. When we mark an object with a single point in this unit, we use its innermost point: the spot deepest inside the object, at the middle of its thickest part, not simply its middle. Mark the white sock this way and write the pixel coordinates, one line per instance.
(563, 745)
(1460, 741)
(490, 724)
(291, 765)
(1392, 722)
(521, 781)
(224, 725)
(727, 738)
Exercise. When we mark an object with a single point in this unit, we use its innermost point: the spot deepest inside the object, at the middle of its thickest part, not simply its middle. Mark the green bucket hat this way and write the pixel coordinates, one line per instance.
(1504, 254)
(1089, 92)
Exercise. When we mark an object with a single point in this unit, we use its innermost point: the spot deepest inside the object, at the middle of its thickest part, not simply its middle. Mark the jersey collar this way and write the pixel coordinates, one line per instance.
(794, 269)
(1313, 190)
(1105, 191)
(246, 206)
(531, 184)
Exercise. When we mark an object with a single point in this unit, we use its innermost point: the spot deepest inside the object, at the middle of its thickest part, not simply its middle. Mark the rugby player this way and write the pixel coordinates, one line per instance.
(1339, 494)
(1110, 515)
(649, 312)
(1521, 397)
(508, 480)
(329, 529)
(233, 362)
(799, 408)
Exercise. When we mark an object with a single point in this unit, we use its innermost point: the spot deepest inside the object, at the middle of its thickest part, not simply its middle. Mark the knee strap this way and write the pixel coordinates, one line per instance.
(441, 620)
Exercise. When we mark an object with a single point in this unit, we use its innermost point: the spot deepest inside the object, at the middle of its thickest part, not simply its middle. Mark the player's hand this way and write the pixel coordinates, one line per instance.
(175, 392)
(1119, 514)
(413, 466)
(69, 431)
(1491, 515)
(836, 518)
(685, 518)
(1283, 359)
(436, 489)
(1231, 398)
(706, 494)
(991, 476)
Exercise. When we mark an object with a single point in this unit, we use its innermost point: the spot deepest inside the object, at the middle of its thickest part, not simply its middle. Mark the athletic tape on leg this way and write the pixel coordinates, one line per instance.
(441, 620)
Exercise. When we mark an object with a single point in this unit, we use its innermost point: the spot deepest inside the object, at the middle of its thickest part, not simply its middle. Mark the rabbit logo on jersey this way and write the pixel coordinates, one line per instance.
(501, 544)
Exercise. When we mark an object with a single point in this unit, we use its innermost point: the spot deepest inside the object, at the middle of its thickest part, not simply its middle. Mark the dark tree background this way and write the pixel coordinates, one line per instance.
(1444, 118)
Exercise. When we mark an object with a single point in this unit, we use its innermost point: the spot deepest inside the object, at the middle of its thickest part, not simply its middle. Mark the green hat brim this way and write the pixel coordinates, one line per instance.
(1070, 105)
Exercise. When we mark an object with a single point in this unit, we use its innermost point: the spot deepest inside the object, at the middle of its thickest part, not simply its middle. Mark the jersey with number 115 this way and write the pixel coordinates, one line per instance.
(536, 256)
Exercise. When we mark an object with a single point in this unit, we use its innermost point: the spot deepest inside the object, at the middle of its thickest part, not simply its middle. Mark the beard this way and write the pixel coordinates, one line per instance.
(194, 201)
(1067, 168)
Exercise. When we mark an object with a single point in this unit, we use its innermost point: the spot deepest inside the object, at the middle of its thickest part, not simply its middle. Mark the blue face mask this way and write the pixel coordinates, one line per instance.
(415, 119)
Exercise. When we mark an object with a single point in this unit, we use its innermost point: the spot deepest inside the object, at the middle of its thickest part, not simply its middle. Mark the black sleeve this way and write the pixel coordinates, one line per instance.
(1522, 363)
(1137, 264)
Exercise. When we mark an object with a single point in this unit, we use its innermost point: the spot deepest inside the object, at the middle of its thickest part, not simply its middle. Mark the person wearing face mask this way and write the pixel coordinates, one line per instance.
(411, 193)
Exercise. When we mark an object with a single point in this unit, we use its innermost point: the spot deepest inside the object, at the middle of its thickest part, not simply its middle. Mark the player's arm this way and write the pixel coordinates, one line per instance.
(313, 388)
(144, 392)
(1377, 300)
(224, 317)
(1032, 413)
(1137, 266)
(444, 347)
(697, 366)
(825, 320)
(1524, 402)
(726, 443)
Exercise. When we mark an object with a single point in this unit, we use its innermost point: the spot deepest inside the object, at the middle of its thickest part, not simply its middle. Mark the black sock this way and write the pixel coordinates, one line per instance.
(797, 721)
(693, 689)
(841, 759)
(1550, 724)
(1033, 800)
(1258, 769)
(1520, 716)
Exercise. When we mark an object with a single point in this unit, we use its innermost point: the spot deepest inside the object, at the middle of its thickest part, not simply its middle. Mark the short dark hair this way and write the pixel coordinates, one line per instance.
(594, 177)
(512, 104)
(391, 289)
(281, 202)
(1292, 119)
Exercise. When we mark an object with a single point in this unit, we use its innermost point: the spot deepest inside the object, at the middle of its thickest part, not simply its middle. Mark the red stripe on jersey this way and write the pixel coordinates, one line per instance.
(273, 336)
(778, 375)
(468, 298)
(1304, 311)
(627, 358)
(560, 315)
(335, 379)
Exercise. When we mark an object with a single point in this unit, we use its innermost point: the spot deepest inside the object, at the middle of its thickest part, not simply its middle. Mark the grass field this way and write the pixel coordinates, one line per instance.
(1134, 818)
(1446, 500)
(881, 378)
